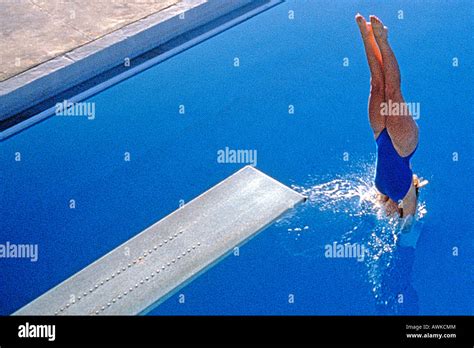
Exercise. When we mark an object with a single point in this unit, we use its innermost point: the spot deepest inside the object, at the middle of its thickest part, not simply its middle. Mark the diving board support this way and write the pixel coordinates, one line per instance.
(139, 274)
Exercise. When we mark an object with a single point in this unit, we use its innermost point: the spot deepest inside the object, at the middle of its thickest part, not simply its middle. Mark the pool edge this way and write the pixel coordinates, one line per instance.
(83, 63)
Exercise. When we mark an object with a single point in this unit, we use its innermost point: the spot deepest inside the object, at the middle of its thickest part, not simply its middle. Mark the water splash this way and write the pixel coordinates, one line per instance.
(346, 210)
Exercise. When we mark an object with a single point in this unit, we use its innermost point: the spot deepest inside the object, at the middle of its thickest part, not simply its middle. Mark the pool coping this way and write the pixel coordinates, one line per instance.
(57, 75)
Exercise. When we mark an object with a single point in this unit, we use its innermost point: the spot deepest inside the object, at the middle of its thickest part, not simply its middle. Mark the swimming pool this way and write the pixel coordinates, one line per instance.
(283, 62)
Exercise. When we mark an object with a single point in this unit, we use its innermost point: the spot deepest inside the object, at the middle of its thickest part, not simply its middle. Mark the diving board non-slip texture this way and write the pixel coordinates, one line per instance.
(141, 273)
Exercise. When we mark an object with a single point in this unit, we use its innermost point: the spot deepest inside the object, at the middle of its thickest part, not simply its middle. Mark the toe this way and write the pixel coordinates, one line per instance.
(359, 18)
(374, 20)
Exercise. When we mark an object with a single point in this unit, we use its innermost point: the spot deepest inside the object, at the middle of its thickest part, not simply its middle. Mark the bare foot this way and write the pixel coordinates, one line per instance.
(380, 31)
(364, 26)
(362, 23)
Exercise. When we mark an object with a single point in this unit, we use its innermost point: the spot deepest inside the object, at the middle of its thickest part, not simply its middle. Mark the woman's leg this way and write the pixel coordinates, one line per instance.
(377, 86)
(402, 128)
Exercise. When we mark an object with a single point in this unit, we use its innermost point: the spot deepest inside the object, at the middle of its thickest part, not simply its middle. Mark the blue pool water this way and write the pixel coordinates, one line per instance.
(173, 158)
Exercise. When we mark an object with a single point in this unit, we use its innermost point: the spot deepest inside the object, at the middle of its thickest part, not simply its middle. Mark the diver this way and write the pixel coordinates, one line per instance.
(396, 133)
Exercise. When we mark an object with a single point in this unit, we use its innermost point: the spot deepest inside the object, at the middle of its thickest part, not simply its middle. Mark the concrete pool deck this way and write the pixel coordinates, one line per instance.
(47, 52)
(42, 30)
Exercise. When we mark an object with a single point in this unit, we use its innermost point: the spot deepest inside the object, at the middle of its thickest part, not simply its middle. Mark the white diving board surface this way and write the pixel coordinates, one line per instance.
(142, 272)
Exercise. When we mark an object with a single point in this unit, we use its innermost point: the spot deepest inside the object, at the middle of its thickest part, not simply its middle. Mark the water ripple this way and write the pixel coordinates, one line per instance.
(345, 209)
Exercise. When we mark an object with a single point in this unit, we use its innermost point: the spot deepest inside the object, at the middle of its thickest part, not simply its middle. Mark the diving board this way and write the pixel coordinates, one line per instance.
(144, 271)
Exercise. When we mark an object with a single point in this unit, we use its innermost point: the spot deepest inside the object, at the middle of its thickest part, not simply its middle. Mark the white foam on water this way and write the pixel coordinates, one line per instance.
(346, 210)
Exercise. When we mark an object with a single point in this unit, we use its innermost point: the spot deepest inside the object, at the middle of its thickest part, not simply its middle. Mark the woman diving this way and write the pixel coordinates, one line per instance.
(396, 134)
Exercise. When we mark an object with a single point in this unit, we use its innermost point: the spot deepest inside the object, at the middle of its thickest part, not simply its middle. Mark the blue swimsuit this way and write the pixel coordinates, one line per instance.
(393, 176)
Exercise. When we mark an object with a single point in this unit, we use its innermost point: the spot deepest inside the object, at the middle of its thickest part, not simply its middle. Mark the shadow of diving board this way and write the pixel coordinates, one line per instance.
(144, 271)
